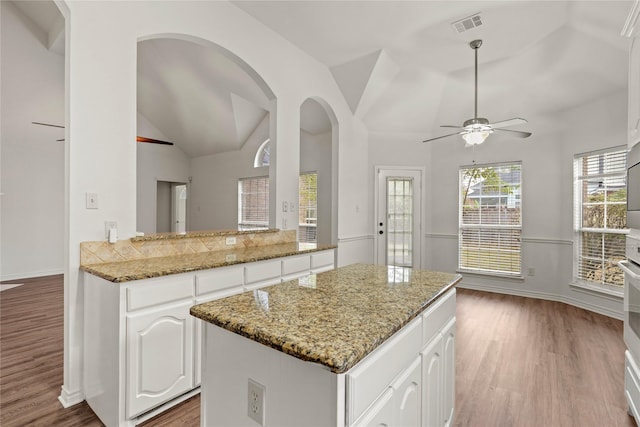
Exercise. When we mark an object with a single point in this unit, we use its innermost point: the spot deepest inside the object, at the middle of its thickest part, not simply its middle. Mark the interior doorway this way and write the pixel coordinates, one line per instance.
(399, 217)
(171, 207)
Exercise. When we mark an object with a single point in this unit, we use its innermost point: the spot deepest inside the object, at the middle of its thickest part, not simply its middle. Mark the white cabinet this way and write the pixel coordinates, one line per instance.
(432, 383)
(263, 273)
(407, 381)
(438, 365)
(381, 413)
(449, 372)
(159, 356)
(143, 348)
(407, 396)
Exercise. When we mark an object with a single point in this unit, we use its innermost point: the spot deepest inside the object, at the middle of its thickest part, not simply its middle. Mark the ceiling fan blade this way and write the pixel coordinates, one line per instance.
(507, 123)
(48, 124)
(451, 126)
(517, 133)
(152, 141)
(440, 137)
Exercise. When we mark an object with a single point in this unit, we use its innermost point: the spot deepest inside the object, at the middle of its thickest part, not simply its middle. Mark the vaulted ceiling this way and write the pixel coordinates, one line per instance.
(401, 65)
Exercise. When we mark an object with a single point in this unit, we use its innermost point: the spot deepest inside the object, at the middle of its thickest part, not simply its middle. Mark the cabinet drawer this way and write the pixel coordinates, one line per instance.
(159, 291)
(374, 373)
(263, 271)
(322, 259)
(219, 279)
(296, 264)
(438, 315)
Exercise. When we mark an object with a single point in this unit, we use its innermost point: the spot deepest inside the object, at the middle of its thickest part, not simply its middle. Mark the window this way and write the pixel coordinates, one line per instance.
(490, 219)
(600, 216)
(262, 156)
(253, 203)
(308, 203)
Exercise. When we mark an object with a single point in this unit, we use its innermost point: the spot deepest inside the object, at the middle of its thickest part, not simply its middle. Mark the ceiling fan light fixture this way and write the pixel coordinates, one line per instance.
(475, 137)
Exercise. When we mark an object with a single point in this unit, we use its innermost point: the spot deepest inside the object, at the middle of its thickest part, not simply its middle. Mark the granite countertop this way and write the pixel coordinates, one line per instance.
(125, 271)
(334, 318)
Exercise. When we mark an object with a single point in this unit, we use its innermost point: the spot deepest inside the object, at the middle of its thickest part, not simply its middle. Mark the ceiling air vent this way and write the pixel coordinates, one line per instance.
(468, 23)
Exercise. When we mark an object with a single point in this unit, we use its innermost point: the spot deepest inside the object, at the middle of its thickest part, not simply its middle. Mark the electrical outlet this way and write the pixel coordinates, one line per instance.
(230, 257)
(230, 241)
(108, 225)
(255, 401)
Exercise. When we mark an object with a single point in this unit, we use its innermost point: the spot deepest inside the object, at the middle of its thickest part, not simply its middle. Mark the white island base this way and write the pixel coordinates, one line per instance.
(407, 381)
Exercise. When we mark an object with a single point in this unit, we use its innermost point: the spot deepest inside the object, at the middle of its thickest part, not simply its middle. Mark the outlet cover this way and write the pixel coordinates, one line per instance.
(230, 240)
(108, 225)
(255, 401)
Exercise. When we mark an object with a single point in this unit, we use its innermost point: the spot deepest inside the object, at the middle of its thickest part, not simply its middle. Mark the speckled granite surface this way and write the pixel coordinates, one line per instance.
(334, 318)
(195, 234)
(137, 269)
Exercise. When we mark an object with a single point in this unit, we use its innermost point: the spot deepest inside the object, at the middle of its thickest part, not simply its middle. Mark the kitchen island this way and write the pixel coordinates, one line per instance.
(359, 345)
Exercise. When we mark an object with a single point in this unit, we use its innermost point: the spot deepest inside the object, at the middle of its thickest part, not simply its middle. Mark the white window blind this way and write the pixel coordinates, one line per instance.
(253, 203)
(308, 207)
(600, 216)
(490, 219)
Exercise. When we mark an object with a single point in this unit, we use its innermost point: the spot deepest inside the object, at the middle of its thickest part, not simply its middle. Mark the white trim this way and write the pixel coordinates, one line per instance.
(545, 296)
(440, 236)
(601, 291)
(69, 399)
(30, 275)
(355, 238)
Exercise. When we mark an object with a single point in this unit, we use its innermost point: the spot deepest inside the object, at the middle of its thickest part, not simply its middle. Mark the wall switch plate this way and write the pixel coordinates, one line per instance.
(531, 271)
(255, 401)
(91, 200)
(284, 206)
(230, 241)
(108, 225)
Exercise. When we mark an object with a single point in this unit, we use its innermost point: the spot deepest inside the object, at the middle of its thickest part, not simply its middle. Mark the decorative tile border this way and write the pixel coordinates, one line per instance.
(100, 252)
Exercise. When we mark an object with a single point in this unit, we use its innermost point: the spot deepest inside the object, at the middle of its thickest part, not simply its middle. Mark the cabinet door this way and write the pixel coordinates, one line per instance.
(432, 383)
(159, 356)
(380, 414)
(407, 396)
(449, 371)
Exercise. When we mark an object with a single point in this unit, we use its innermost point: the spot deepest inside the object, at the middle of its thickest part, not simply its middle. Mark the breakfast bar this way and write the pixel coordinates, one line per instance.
(358, 345)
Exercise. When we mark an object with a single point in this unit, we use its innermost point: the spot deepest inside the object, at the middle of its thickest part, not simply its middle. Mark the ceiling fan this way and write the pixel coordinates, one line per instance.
(138, 138)
(474, 131)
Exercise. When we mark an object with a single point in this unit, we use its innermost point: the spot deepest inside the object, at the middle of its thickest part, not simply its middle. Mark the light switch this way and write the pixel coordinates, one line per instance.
(92, 200)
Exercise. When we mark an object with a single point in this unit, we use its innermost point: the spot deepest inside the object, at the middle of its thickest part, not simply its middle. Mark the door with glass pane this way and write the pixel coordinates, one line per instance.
(398, 221)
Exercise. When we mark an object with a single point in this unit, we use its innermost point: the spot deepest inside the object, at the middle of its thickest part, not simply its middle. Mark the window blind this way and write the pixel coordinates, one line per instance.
(253, 203)
(600, 214)
(308, 207)
(490, 219)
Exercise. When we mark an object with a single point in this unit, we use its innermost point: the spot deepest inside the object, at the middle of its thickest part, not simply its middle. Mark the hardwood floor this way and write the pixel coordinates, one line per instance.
(519, 362)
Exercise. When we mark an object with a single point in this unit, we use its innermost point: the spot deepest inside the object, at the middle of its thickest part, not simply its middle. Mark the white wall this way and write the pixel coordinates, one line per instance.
(547, 170)
(102, 91)
(155, 162)
(214, 189)
(32, 212)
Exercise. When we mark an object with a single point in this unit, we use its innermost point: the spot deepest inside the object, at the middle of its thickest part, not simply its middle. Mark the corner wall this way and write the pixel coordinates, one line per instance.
(32, 177)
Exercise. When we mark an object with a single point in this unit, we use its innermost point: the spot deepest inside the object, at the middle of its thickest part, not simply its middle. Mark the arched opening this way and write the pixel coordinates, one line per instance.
(317, 205)
(215, 111)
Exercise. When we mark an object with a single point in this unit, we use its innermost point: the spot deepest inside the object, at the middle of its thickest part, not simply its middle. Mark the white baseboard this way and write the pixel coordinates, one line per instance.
(32, 274)
(544, 296)
(69, 399)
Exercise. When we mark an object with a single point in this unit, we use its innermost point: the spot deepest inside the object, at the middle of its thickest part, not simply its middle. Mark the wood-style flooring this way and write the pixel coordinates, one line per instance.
(519, 362)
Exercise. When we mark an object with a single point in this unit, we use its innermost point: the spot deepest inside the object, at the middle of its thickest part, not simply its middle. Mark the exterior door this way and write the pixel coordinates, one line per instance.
(398, 217)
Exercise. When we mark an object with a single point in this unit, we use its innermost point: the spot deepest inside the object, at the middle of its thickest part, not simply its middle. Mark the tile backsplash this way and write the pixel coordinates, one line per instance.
(125, 250)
